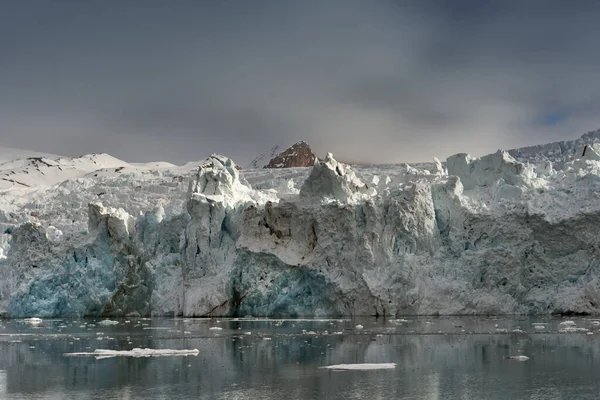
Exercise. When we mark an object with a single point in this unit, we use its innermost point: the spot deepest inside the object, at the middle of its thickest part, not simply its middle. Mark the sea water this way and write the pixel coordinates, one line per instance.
(337, 358)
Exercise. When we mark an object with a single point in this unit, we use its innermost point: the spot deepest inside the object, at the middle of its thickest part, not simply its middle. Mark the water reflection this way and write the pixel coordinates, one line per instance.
(443, 358)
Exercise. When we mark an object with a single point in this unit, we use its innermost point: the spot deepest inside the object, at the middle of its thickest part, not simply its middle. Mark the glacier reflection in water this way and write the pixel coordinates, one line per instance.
(435, 358)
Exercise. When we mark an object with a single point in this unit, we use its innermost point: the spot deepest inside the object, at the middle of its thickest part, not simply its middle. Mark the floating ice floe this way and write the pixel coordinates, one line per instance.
(33, 321)
(571, 329)
(215, 328)
(107, 322)
(517, 358)
(137, 352)
(361, 367)
(567, 323)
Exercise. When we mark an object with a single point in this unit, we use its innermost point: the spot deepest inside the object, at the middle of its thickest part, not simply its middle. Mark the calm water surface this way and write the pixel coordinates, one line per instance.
(436, 358)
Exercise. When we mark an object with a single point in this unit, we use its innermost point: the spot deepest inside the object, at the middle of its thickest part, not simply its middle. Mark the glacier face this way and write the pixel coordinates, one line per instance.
(498, 234)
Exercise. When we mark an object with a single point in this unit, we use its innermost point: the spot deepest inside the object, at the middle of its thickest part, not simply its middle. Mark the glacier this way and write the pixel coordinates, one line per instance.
(513, 232)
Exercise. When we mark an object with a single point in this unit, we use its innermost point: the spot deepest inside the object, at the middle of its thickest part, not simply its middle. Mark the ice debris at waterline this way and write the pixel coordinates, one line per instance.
(108, 322)
(517, 358)
(509, 233)
(137, 352)
(360, 367)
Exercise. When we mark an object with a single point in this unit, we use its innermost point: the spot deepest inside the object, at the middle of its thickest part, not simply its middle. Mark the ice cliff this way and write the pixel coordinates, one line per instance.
(510, 232)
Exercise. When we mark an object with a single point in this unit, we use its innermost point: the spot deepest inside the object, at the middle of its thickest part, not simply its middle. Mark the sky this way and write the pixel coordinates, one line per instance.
(368, 80)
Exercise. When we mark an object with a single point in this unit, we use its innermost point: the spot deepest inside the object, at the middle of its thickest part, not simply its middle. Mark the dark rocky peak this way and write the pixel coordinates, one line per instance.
(299, 155)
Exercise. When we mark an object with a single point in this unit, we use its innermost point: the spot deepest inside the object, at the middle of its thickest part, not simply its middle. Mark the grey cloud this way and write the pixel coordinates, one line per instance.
(225, 129)
(188, 120)
(368, 80)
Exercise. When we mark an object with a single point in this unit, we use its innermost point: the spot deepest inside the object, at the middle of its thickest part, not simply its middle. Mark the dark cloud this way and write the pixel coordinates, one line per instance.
(368, 80)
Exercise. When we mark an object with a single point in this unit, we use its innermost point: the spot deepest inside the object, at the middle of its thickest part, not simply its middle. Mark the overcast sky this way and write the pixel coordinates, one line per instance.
(369, 80)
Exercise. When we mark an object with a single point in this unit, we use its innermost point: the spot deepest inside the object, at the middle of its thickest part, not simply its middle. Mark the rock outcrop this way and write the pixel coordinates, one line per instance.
(299, 155)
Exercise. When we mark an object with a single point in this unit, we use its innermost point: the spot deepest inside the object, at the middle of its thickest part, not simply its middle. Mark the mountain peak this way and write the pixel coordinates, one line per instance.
(298, 155)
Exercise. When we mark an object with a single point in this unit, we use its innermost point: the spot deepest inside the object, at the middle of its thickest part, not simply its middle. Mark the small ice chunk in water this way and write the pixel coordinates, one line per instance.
(359, 327)
(107, 322)
(517, 358)
(33, 321)
(361, 367)
(215, 328)
(567, 323)
(571, 329)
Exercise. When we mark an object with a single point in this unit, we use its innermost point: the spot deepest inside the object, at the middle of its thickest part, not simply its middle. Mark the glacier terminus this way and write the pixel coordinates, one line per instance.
(513, 232)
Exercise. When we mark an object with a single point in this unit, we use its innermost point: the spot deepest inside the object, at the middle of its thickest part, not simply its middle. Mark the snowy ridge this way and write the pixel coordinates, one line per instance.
(489, 235)
(558, 152)
(9, 154)
(262, 160)
(43, 171)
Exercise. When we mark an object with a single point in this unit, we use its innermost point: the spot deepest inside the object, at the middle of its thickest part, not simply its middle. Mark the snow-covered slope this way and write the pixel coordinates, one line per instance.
(263, 159)
(43, 171)
(558, 152)
(493, 235)
(9, 154)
